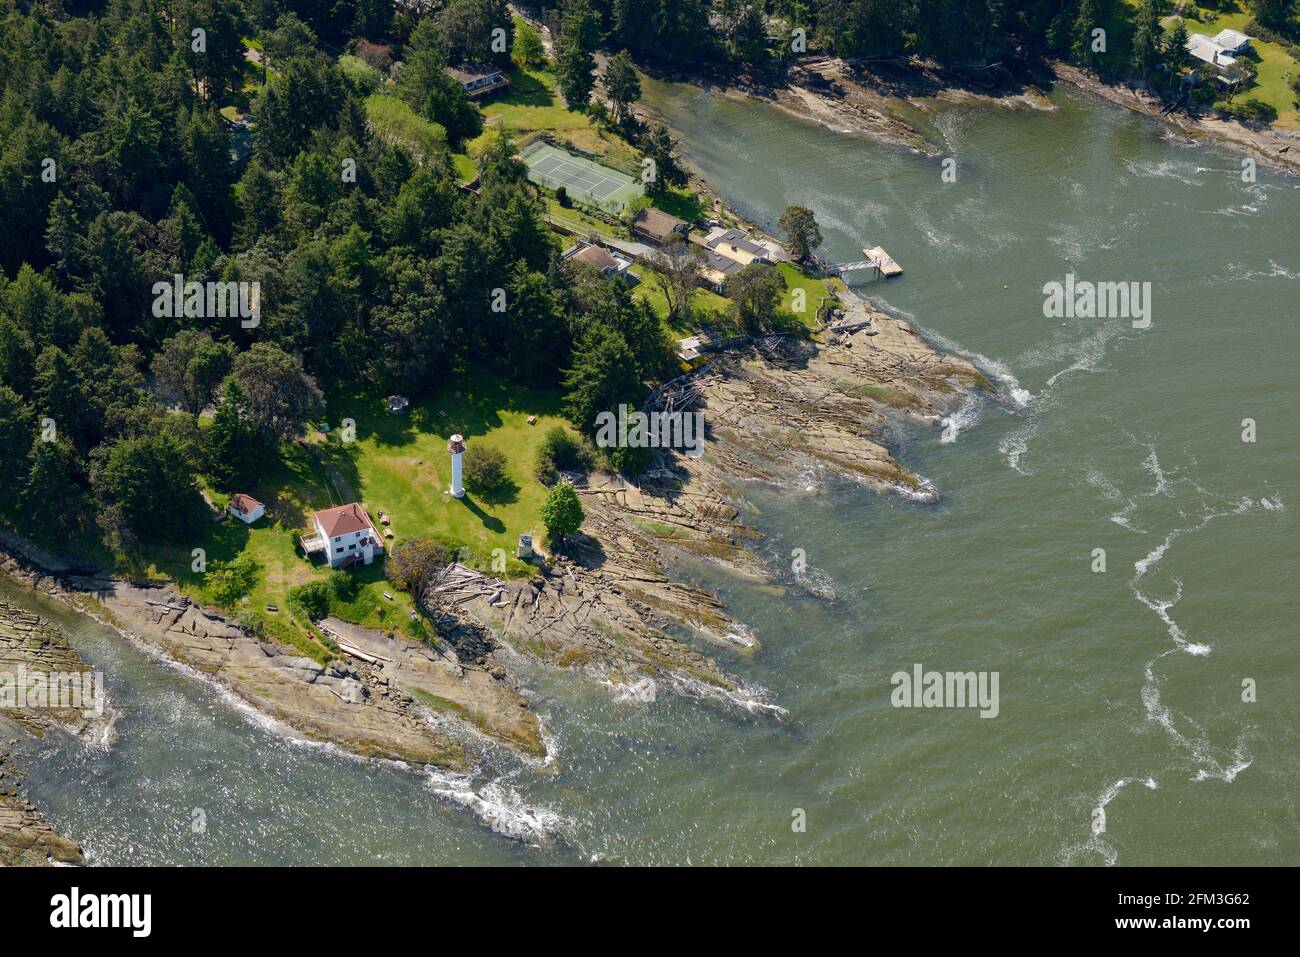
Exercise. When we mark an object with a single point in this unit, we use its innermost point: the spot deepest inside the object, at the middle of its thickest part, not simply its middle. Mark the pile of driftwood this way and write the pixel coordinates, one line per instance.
(457, 584)
(676, 395)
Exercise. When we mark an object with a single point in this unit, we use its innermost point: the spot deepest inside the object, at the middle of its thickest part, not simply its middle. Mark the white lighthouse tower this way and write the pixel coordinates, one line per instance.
(457, 448)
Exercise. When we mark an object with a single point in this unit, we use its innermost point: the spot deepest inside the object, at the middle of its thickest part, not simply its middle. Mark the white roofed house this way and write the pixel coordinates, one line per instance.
(1221, 52)
(479, 79)
(345, 535)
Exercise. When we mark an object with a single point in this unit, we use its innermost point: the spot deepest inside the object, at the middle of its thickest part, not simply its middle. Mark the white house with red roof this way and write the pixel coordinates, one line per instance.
(346, 535)
(245, 508)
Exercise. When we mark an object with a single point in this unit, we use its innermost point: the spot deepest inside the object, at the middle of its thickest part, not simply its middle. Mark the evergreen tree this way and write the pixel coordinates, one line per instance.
(231, 445)
(622, 84)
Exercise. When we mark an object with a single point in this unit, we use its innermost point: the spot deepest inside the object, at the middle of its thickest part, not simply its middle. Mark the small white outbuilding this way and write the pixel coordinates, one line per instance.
(246, 508)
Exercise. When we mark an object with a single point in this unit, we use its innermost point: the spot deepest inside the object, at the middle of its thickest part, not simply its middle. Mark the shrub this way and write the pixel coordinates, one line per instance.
(561, 511)
(560, 449)
(1251, 110)
(343, 585)
(312, 600)
(562, 197)
(413, 564)
(485, 468)
(230, 581)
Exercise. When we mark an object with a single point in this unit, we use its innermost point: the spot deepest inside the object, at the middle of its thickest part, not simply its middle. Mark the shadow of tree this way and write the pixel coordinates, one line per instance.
(504, 492)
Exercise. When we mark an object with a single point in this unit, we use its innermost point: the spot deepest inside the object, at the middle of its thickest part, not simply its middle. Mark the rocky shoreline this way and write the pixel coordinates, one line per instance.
(30, 643)
(1272, 147)
(831, 92)
(609, 606)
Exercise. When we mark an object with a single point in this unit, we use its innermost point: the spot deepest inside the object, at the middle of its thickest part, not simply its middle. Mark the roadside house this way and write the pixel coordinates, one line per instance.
(657, 226)
(245, 508)
(345, 535)
(479, 79)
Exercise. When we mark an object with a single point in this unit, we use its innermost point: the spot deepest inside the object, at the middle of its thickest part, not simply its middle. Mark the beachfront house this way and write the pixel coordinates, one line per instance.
(727, 251)
(478, 79)
(344, 535)
(657, 226)
(1221, 52)
(610, 262)
(245, 508)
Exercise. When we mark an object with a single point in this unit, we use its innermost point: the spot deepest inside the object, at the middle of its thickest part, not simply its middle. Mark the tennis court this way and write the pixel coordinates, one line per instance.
(586, 181)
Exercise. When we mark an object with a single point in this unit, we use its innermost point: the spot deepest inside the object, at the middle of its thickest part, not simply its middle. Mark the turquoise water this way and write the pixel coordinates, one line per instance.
(1119, 690)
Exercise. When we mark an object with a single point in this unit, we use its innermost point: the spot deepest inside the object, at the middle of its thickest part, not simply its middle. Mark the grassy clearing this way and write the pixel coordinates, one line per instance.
(705, 303)
(400, 464)
(1274, 65)
(683, 204)
(578, 221)
(534, 104)
(395, 122)
(814, 290)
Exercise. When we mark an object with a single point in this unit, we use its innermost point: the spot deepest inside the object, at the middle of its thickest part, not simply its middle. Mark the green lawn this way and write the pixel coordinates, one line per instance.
(534, 104)
(704, 303)
(1275, 66)
(398, 464)
(813, 288)
(580, 222)
(681, 203)
(466, 171)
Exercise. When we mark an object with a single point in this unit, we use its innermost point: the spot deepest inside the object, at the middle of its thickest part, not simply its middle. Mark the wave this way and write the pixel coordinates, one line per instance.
(498, 806)
(752, 699)
(1019, 396)
(1180, 170)
(965, 415)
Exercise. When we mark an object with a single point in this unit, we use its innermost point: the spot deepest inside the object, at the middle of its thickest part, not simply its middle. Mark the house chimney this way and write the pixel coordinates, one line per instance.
(457, 448)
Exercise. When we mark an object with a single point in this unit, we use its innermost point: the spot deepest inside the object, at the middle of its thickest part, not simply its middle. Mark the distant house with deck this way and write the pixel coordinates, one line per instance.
(657, 226)
(479, 79)
(245, 508)
(345, 535)
(610, 262)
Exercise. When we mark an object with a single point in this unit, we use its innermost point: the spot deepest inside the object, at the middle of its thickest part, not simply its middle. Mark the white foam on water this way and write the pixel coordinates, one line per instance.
(1180, 170)
(1015, 444)
(636, 692)
(1161, 608)
(498, 806)
(967, 414)
(923, 492)
(752, 699)
(1241, 272)
(994, 369)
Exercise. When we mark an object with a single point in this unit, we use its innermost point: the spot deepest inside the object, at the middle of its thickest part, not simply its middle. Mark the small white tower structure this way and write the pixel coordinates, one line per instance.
(457, 448)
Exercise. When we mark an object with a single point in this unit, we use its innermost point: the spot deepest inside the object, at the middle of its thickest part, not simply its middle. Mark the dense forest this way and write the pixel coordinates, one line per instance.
(376, 271)
(117, 173)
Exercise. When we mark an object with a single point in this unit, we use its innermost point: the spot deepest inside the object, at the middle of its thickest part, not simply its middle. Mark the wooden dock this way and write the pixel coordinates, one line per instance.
(884, 263)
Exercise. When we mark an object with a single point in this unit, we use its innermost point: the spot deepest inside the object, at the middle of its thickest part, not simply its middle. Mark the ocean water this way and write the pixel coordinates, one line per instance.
(1122, 736)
